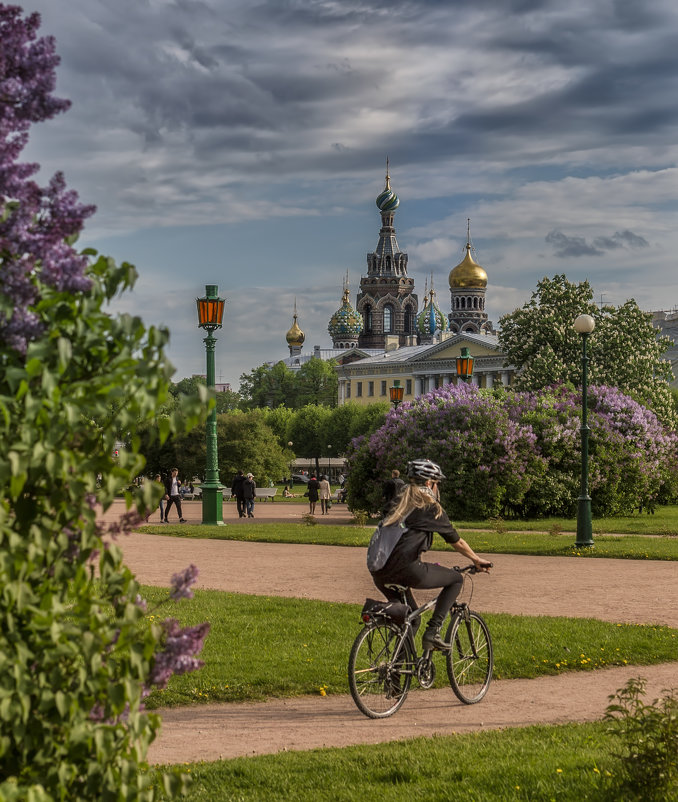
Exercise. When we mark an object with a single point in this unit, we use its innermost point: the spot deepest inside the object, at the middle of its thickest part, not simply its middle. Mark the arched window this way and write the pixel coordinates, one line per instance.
(463, 303)
(388, 319)
(367, 317)
(407, 320)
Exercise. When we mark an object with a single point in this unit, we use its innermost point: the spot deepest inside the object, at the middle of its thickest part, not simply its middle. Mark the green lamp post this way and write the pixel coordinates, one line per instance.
(210, 314)
(584, 325)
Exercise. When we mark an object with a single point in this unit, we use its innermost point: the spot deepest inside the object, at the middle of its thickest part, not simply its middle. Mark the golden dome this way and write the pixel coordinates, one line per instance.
(468, 273)
(295, 336)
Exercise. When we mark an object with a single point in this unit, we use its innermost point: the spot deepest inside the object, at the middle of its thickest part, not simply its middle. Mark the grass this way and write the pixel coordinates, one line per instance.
(636, 547)
(261, 647)
(570, 763)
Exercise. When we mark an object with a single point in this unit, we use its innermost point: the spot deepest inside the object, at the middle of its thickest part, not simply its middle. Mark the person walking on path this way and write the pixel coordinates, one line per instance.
(417, 509)
(237, 491)
(324, 492)
(312, 490)
(391, 489)
(248, 488)
(173, 495)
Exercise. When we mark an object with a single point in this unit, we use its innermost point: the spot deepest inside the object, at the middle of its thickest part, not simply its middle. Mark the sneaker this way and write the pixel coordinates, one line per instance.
(165, 521)
(432, 641)
(182, 520)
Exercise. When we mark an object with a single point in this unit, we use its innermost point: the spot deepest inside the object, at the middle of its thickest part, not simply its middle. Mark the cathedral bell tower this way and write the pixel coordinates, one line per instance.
(386, 301)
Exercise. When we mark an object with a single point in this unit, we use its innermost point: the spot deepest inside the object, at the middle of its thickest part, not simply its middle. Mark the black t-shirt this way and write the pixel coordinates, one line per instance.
(421, 524)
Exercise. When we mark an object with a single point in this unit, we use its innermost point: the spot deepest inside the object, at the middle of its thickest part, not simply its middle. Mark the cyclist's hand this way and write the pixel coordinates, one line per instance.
(483, 565)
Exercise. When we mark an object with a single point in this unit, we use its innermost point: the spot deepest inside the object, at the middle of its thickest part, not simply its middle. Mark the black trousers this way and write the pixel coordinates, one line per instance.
(240, 504)
(423, 575)
(174, 500)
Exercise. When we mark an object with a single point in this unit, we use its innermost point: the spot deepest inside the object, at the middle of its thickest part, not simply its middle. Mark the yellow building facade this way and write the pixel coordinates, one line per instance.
(422, 368)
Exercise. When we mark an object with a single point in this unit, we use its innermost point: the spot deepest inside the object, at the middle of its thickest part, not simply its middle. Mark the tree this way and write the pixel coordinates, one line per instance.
(624, 349)
(317, 383)
(77, 656)
(308, 431)
(276, 385)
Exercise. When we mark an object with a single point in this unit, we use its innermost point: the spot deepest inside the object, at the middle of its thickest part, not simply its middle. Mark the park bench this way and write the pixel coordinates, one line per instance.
(265, 492)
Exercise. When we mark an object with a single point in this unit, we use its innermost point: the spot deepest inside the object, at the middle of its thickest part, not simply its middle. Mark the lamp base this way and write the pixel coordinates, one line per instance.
(212, 504)
(584, 523)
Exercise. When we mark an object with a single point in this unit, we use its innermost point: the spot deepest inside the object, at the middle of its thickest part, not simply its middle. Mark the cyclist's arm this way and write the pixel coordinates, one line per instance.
(463, 548)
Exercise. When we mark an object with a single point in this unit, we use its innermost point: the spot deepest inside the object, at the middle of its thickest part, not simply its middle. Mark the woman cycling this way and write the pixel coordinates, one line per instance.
(422, 515)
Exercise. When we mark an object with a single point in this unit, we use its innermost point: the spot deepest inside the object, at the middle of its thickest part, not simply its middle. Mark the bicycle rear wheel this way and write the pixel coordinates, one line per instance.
(379, 683)
(470, 659)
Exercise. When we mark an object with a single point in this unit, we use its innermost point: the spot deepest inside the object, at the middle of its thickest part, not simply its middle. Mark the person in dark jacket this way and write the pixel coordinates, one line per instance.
(248, 494)
(173, 495)
(422, 515)
(312, 489)
(236, 490)
(391, 490)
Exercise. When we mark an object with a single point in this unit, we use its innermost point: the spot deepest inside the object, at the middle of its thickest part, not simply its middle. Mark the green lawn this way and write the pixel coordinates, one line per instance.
(638, 547)
(568, 763)
(261, 647)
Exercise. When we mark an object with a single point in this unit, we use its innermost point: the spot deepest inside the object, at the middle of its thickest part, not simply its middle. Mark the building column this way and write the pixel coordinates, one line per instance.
(475, 380)
(446, 379)
(505, 378)
(341, 392)
(489, 379)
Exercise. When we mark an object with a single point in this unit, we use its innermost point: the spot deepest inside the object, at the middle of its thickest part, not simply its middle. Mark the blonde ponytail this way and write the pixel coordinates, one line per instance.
(413, 497)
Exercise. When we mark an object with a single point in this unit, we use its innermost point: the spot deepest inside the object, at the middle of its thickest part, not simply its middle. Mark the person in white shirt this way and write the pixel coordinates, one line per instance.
(173, 496)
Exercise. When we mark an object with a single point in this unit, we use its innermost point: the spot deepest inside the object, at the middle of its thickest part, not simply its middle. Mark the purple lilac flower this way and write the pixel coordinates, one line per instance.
(181, 583)
(179, 653)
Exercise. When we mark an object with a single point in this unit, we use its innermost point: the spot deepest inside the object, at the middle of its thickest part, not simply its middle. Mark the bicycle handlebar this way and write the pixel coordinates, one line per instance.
(470, 568)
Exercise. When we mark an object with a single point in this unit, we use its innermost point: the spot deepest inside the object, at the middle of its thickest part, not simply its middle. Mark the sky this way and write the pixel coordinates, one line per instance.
(243, 143)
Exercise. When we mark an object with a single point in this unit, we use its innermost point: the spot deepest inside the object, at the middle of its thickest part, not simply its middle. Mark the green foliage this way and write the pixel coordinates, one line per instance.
(276, 385)
(648, 768)
(308, 432)
(244, 441)
(624, 349)
(73, 657)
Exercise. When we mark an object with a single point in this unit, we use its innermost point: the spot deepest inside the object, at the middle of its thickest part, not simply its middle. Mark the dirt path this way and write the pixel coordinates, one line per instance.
(613, 590)
(637, 591)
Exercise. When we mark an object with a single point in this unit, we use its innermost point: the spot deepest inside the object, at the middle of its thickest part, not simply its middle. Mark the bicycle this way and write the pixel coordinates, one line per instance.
(384, 659)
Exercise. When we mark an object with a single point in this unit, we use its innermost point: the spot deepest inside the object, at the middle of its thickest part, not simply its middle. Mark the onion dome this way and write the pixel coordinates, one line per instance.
(468, 273)
(387, 200)
(431, 319)
(295, 336)
(345, 322)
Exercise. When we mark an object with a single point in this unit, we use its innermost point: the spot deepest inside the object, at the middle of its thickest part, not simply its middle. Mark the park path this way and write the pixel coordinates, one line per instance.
(615, 590)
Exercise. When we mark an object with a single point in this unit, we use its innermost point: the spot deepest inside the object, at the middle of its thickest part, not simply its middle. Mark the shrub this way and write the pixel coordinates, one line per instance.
(648, 760)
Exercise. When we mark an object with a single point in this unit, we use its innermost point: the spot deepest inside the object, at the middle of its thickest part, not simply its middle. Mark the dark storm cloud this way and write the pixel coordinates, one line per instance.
(574, 247)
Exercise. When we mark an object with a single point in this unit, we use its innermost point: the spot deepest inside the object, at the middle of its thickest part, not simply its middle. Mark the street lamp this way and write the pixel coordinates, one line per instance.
(289, 445)
(396, 392)
(210, 314)
(465, 365)
(584, 325)
(329, 463)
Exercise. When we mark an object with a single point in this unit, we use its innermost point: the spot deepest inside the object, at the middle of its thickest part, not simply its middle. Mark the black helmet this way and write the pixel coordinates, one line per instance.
(422, 469)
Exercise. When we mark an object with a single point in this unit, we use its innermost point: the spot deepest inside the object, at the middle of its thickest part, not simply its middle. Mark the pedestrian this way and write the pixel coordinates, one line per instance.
(248, 492)
(236, 490)
(173, 495)
(312, 490)
(324, 492)
(341, 479)
(391, 490)
(158, 480)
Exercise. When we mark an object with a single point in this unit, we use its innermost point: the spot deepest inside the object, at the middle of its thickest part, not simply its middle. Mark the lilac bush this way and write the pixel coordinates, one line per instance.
(519, 453)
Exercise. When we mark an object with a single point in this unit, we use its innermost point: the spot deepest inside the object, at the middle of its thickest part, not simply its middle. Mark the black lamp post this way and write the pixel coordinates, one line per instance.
(465, 365)
(396, 393)
(210, 315)
(584, 325)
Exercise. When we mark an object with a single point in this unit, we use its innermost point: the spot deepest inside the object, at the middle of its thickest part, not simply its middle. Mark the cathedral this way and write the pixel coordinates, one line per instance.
(386, 336)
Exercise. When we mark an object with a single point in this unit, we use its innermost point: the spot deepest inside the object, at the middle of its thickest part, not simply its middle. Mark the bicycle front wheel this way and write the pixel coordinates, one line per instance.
(469, 659)
(378, 679)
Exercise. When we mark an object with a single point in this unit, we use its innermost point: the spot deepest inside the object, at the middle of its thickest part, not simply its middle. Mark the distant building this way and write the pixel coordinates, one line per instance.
(667, 323)
(386, 337)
